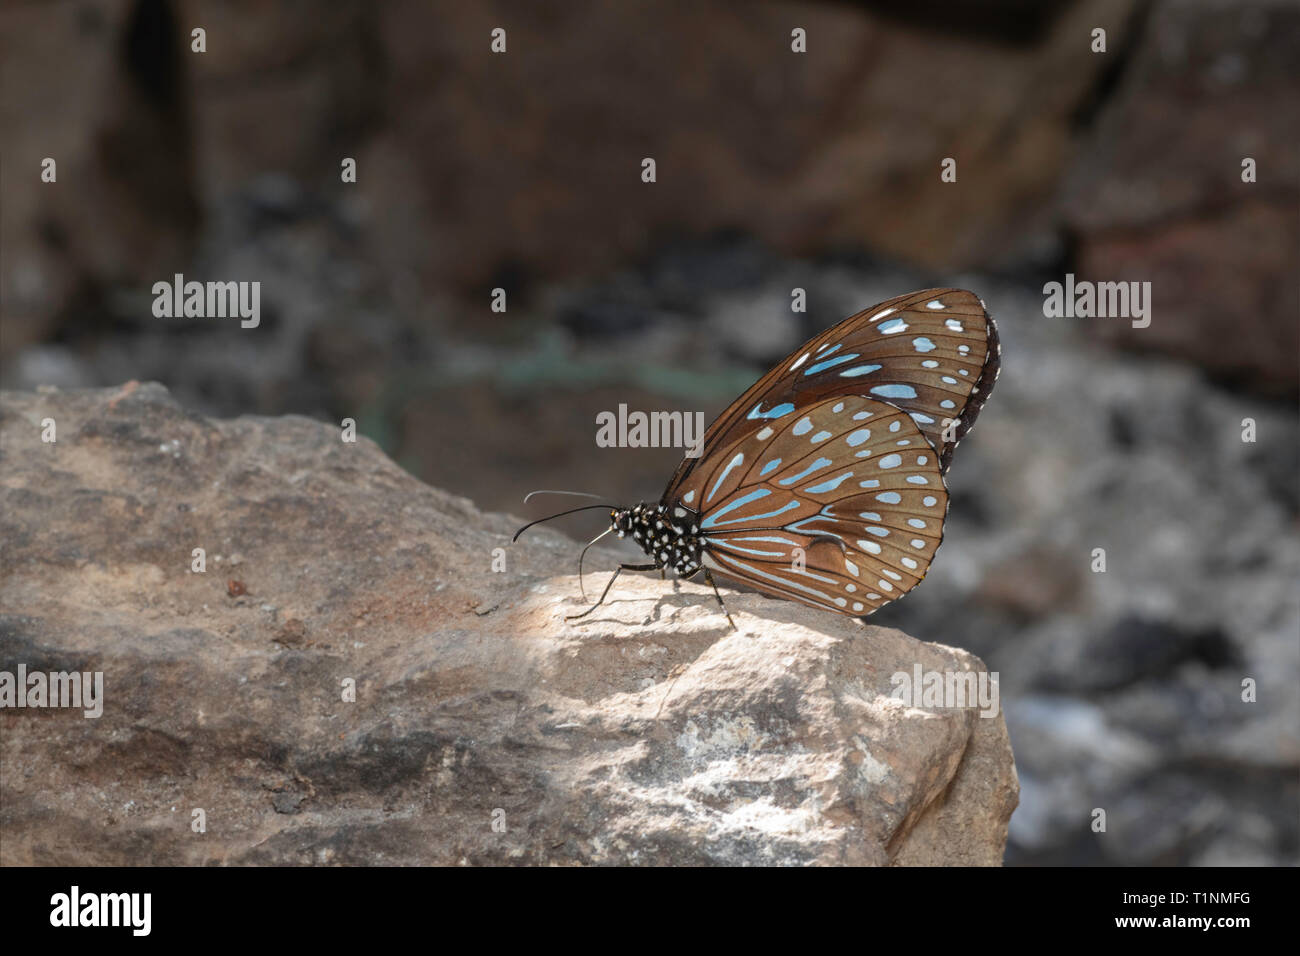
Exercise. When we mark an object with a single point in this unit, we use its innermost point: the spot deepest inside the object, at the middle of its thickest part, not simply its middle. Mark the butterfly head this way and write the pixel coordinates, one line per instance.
(621, 519)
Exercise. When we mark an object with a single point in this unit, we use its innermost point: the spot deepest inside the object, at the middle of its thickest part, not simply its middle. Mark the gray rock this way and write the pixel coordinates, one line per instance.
(485, 729)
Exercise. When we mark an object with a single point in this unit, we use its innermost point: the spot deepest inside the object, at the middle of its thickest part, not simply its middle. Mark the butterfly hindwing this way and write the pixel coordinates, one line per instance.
(934, 354)
(839, 504)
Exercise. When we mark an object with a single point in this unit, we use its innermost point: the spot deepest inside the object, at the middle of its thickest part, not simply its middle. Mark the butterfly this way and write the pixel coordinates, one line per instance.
(824, 482)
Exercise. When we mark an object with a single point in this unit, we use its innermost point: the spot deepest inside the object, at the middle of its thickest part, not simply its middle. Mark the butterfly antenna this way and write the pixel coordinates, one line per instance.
(560, 515)
(576, 494)
(584, 554)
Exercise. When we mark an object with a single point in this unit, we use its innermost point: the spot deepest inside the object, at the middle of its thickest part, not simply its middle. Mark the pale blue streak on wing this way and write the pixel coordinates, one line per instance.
(829, 485)
(783, 582)
(796, 526)
(711, 521)
(720, 543)
(823, 366)
(740, 457)
(819, 464)
(894, 391)
(785, 408)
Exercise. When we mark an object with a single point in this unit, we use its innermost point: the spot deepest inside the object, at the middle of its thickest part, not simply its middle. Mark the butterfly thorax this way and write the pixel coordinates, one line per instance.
(670, 536)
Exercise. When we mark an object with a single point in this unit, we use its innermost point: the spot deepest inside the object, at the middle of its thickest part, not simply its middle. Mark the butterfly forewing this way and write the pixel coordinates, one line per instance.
(934, 354)
(838, 504)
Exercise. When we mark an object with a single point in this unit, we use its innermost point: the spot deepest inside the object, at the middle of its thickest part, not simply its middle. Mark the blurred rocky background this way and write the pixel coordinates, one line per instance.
(776, 170)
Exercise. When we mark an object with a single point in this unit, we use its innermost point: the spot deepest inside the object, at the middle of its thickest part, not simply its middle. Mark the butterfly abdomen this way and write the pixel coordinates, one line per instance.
(669, 536)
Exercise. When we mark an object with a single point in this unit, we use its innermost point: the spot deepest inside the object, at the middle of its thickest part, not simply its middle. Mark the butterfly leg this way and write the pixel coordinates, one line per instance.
(621, 568)
(716, 593)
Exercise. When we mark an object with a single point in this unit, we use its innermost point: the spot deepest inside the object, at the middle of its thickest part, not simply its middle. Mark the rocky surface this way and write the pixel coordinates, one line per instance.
(1157, 193)
(485, 728)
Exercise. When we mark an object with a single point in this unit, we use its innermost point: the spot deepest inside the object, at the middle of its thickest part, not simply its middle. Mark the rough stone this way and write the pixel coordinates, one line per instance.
(1157, 193)
(96, 87)
(649, 734)
(473, 165)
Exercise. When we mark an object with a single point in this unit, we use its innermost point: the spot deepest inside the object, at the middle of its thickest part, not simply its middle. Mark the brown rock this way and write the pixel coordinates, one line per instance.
(472, 163)
(1033, 583)
(1157, 193)
(651, 733)
(533, 157)
(100, 88)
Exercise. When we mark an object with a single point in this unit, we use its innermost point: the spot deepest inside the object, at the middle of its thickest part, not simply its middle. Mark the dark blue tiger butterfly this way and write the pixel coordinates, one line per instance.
(823, 483)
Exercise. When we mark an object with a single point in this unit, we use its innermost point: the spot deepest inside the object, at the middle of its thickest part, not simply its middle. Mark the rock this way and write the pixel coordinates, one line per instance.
(471, 164)
(1157, 193)
(100, 88)
(809, 152)
(485, 728)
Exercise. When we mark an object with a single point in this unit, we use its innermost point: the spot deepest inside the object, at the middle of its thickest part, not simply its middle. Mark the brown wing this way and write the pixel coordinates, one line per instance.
(934, 354)
(839, 504)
